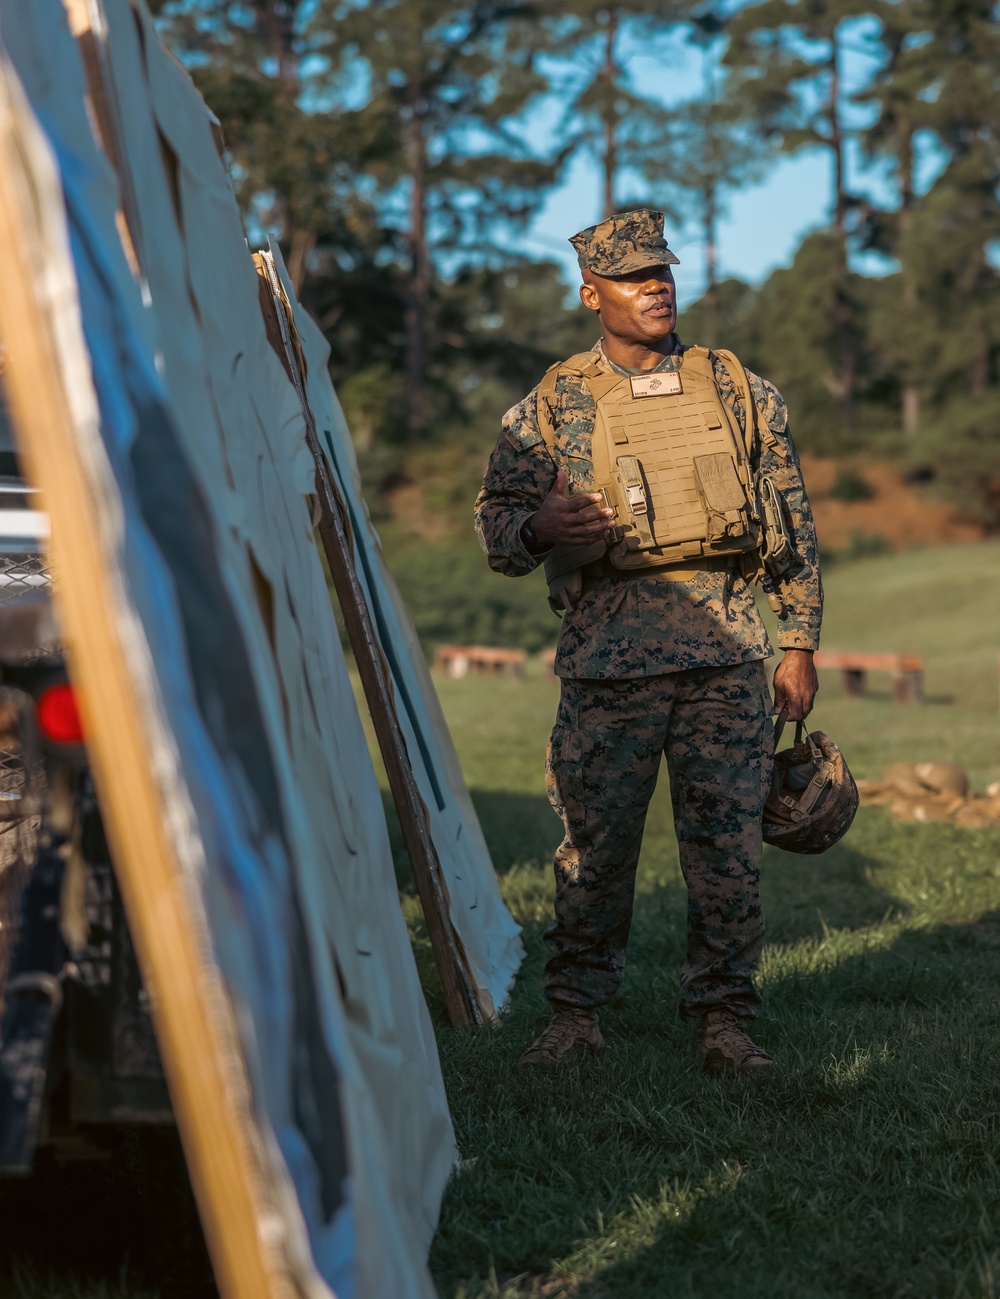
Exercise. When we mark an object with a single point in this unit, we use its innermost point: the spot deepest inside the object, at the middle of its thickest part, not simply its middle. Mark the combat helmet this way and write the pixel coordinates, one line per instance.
(813, 796)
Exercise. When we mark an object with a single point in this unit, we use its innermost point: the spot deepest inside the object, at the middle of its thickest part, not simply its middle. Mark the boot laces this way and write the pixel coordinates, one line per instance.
(729, 1032)
(565, 1028)
(562, 1036)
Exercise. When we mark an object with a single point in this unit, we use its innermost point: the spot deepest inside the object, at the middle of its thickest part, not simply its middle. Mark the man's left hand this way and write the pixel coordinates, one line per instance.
(795, 684)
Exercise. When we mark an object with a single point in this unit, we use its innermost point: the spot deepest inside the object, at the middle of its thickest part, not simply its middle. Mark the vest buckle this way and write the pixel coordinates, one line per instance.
(637, 502)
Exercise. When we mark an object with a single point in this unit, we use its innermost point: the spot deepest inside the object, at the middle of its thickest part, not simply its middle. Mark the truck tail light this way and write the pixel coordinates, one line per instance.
(58, 715)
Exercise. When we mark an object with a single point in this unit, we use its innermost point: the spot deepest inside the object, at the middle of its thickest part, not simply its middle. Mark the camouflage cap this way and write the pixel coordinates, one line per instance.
(626, 242)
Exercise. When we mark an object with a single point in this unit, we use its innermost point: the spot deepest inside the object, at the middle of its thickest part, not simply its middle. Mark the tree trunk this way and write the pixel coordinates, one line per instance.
(979, 373)
(910, 396)
(910, 408)
(837, 145)
(843, 308)
(418, 291)
(276, 19)
(711, 262)
(609, 71)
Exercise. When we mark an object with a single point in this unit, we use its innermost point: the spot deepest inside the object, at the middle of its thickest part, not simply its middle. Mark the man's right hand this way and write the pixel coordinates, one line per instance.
(571, 520)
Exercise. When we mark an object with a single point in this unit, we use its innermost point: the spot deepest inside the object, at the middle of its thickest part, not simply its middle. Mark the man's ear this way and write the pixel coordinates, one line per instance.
(589, 298)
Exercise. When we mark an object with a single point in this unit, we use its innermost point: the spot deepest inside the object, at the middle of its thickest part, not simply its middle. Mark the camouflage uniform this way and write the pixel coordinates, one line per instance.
(652, 665)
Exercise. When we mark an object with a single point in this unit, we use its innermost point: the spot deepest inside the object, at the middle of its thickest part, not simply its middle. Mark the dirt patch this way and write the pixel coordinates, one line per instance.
(893, 509)
(893, 513)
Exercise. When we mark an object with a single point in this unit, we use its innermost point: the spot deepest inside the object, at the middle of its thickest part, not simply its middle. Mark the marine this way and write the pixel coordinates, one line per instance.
(657, 482)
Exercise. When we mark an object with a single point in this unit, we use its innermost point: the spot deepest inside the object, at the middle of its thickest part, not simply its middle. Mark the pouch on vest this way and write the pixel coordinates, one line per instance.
(564, 573)
(776, 551)
(722, 495)
(632, 503)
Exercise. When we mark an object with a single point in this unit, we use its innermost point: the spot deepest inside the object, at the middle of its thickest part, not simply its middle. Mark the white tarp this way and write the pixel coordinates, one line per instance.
(196, 446)
(487, 931)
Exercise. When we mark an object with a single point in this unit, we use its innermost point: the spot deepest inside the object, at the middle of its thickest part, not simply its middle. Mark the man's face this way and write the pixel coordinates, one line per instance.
(640, 307)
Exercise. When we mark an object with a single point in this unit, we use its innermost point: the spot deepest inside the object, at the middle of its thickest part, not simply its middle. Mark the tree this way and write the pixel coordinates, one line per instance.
(297, 173)
(959, 220)
(939, 83)
(624, 131)
(892, 136)
(707, 151)
(443, 81)
(288, 167)
(787, 60)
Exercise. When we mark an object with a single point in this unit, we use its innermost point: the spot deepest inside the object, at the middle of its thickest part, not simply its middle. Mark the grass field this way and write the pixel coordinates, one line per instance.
(870, 1168)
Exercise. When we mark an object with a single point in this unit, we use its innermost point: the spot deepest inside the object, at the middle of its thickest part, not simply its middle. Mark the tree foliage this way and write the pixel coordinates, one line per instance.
(623, 130)
(443, 81)
(384, 143)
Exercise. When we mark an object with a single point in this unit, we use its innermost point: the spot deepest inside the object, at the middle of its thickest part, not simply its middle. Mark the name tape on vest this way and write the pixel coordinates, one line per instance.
(655, 385)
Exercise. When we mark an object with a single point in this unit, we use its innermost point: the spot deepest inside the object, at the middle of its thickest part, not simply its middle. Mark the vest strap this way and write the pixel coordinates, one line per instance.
(583, 364)
(755, 427)
(603, 567)
(633, 498)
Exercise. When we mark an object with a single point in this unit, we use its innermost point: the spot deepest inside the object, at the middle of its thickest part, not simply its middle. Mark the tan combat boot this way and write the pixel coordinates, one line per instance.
(571, 1035)
(725, 1046)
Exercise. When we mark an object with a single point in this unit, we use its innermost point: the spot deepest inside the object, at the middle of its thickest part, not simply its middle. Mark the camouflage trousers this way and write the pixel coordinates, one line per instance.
(604, 756)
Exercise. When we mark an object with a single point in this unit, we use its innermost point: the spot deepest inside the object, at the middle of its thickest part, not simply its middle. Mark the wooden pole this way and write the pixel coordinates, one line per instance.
(459, 989)
(201, 1056)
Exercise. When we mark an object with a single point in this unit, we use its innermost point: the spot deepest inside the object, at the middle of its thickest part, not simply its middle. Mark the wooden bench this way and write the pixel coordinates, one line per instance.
(906, 670)
(479, 661)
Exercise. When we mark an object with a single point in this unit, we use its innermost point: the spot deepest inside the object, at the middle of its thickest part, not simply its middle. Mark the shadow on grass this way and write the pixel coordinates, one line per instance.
(869, 1168)
(805, 897)
(521, 829)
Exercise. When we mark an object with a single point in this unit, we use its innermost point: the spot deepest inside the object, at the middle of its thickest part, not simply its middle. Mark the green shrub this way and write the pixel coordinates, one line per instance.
(454, 598)
(862, 545)
(850, 486)
(957, 452)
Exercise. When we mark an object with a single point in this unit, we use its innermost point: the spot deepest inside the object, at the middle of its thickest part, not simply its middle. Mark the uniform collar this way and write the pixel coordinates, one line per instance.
(669, 362)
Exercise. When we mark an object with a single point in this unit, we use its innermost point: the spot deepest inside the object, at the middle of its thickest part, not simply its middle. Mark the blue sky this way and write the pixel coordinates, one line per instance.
(764, 222)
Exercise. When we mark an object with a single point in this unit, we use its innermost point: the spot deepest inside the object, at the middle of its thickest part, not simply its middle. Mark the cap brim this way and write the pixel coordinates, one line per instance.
(640, 261)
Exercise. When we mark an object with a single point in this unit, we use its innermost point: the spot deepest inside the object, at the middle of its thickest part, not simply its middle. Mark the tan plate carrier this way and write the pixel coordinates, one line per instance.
(672, 461)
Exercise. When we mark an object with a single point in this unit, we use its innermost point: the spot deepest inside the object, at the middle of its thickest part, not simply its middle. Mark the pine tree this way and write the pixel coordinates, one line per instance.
(297, 169)
(706, 151)
(959, 219)
(892, 136)
(624, 131)
(443, 79)
(787, 59)
(940, 81)
(288, 166)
